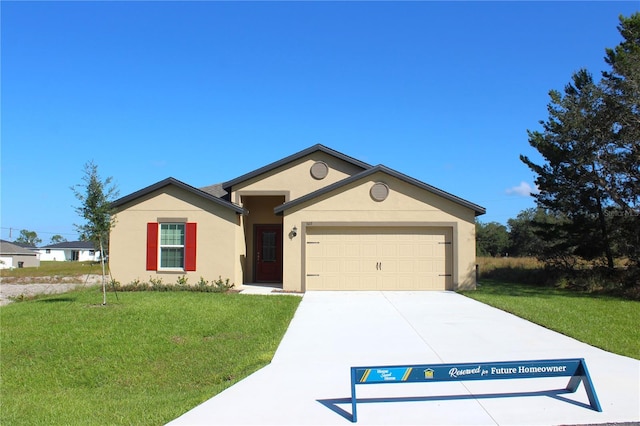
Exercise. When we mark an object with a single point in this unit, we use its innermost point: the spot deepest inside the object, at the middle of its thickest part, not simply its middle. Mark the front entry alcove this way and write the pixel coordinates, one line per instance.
(263, 239)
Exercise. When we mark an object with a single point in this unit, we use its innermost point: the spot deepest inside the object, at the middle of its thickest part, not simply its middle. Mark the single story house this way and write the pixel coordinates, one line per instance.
(15, 256)
(70, 251)
(315, 220)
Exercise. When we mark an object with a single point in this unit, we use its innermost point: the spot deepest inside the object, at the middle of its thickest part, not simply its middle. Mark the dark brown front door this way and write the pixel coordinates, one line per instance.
(268, 253)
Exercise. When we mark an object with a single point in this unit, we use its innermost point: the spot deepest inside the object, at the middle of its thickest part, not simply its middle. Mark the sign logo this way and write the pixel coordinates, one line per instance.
(428, 373)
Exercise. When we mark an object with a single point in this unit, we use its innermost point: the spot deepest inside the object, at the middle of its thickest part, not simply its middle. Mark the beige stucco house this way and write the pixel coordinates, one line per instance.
(316, 220)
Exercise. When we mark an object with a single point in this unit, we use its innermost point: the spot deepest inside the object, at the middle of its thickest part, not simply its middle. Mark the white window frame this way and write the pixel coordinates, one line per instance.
(171, 246)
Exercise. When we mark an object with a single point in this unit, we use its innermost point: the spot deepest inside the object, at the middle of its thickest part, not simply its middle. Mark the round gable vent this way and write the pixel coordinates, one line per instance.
(319, 170)
(379, 191)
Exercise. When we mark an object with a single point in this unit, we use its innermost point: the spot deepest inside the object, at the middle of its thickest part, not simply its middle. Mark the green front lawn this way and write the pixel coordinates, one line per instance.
(607, 322)
(151, 356)
(144, 359)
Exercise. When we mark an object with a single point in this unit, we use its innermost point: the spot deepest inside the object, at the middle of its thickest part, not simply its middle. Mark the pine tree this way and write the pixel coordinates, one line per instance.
(591, 149)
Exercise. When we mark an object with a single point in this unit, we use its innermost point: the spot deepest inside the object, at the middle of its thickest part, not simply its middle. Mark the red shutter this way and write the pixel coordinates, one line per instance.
(190, 247)
(152, 246)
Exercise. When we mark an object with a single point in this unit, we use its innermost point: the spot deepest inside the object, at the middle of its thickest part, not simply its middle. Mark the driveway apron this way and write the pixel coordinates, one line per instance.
(308, 381)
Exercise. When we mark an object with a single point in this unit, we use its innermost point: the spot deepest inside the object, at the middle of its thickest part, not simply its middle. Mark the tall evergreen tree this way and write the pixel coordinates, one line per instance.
(570, 181)
(591, 150)
(622, 157)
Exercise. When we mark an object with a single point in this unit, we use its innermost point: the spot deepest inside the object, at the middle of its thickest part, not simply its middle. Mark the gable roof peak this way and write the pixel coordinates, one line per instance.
(173, 181)
(294, 157)
(479, 210)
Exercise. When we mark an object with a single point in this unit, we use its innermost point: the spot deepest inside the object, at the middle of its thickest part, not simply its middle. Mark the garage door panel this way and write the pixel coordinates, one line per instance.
(368, 249)
(369, 258)
(388, 249)
(352, 266)
(389, 283)
(408, 266)
(408, 250)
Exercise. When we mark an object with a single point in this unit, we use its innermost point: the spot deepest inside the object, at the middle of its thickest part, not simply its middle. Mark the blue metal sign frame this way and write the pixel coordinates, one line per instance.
(574, 368)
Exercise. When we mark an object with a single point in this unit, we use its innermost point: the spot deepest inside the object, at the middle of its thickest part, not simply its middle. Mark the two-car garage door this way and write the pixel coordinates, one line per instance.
(378, 258)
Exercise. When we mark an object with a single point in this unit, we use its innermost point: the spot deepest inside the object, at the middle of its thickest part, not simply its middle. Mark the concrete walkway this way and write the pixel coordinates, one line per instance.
(308, 381)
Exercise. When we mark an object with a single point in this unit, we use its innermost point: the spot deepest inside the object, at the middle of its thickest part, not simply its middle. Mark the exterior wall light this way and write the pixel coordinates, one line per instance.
(294, 231)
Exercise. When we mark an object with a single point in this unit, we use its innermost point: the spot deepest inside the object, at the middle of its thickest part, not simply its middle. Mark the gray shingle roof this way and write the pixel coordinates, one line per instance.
(216, 190)
(8, 248)
(71, 245)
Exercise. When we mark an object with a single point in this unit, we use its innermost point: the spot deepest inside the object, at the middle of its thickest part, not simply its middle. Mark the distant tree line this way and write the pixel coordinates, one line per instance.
(30, 238)
(523, 236)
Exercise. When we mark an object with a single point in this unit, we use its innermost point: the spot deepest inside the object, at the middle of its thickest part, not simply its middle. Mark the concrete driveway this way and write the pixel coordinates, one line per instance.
(308, 381)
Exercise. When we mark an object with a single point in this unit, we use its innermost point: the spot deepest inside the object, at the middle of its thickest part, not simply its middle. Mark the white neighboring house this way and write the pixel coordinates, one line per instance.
(80, 251)
(15, 256)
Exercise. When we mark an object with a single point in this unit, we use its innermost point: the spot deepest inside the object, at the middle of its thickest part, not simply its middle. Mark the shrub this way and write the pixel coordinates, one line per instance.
(222, 286)
(156, 284)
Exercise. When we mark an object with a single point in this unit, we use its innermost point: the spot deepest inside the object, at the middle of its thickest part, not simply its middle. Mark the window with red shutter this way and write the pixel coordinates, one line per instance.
(171, 246)
(190, 247)
(152, 246)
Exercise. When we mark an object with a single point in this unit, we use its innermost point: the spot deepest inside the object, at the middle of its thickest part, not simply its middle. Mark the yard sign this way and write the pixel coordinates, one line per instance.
(574, 368)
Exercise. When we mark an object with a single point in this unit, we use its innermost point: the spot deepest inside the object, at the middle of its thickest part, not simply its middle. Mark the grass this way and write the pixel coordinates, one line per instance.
(604, 321)
(489, 264)
(151, 356)
(144, 359)
(52, 269)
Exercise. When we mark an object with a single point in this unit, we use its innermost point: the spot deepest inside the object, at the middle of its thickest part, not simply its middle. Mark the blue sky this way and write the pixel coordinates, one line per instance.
(207, 91)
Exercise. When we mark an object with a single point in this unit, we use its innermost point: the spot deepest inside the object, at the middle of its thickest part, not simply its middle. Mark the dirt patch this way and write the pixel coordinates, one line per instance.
(55, 279)
(31, 286)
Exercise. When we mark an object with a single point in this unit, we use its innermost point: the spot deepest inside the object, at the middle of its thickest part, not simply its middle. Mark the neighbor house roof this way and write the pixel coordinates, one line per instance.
(71, 245)
(294, 157)
(8, 248)
(24, 245)
(380, 168)
(175, 182)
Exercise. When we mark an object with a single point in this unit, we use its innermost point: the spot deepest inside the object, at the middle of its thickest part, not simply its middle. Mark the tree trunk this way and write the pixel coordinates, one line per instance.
(605, 235)
(104, 282)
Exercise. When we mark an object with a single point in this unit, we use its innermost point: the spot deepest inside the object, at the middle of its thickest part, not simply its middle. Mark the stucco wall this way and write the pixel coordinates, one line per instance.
(284, 183)
(13, 261)
(406, 205)
(217, 233)
(294, 180)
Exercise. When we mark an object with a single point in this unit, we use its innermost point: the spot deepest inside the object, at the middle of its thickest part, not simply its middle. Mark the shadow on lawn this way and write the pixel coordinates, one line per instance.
(57, 299)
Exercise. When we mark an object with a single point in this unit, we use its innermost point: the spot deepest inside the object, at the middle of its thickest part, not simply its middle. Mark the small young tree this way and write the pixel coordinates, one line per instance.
(96, 196)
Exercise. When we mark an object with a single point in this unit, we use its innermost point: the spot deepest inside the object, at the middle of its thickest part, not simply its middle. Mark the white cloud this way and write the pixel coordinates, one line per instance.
(524, 190)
